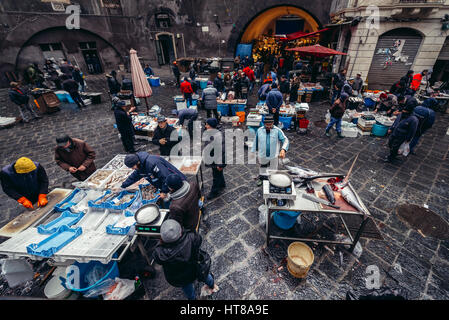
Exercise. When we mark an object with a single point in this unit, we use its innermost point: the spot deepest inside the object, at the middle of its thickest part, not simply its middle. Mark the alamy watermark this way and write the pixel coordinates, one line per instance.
(372, 280)
(372, 17)
(73, 20)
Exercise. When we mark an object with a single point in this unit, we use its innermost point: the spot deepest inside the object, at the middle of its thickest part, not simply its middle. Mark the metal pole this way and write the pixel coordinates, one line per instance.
(184, 45)
(359, 233)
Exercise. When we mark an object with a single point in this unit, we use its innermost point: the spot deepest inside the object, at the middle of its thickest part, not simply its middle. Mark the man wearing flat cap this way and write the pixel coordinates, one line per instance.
(161, 136)
(76, 156)
(270, 143)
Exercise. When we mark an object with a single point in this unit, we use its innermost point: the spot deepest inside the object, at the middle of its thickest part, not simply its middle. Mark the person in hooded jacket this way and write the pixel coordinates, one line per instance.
(177, 253)
(403, 129)
(426, 117)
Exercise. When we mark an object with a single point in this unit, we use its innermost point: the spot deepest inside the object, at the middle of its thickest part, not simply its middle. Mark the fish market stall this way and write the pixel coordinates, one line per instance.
(144, 126)
(92, 223)
(297, 198)
(309, 92)
(230, 107)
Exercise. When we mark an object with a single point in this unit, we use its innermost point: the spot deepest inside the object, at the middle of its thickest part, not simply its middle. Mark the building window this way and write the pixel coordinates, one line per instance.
(51, 47)
(88, 45)
(163, 20)
(113, 7)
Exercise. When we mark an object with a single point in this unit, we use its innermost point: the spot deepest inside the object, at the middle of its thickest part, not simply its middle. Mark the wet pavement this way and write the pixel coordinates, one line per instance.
(232, 234)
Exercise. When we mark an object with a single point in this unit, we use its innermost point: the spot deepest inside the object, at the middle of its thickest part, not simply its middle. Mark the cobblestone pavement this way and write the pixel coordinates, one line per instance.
(231, 231)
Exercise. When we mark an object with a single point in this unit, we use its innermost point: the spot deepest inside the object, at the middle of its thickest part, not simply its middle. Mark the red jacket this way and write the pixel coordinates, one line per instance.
(186, 87)
(250, 74)
(416, 81)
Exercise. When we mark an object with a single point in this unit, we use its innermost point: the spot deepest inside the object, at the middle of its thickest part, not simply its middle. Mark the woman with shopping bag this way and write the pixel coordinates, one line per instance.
(402, 131)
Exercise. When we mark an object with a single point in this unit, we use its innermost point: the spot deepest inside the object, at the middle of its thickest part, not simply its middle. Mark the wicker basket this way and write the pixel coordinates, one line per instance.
(300, 258)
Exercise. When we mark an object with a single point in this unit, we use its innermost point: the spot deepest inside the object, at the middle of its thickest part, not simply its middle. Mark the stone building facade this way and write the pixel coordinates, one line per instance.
(386, 38)
(160, 31)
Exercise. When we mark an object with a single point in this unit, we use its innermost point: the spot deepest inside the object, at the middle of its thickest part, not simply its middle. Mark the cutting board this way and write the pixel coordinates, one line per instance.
(27, 218)
(339, 201)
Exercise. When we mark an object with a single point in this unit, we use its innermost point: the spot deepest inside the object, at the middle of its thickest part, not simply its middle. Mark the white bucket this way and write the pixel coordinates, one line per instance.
(54, 290)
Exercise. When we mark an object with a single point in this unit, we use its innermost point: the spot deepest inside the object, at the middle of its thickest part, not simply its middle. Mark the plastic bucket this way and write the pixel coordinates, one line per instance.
(379, 130)
(369, 102)
(303, 123)
(223, 109)
(54, 290)
(286, 121)
(285, 219)
(203, 84)
(239, 107)
(241, 115)
(299, 259)
(155, 82)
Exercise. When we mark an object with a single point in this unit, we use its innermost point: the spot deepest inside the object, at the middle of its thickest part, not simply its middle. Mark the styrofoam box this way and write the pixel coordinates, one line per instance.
(364, 133)
(349, 132)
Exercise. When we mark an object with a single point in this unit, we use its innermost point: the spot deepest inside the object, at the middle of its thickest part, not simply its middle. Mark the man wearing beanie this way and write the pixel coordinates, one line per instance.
(403, 129)
(26, 182)
(177, 254)
(76, 156)
(184, 197)
(209, 99)
(270, 143)
(216, 163)
(274, 102)
(153, 168)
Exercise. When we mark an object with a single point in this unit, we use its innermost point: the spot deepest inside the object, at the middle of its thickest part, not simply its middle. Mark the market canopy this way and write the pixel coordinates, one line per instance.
(141, 86)
(299, 34)
(317, 51)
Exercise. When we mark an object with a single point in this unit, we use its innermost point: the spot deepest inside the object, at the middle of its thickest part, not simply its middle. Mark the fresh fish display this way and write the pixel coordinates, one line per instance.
(301, 172)
(116, 179)
(148, 192)
(106, 198)
(99, 176)
(327, 189)
(126, 198)
(350, 197)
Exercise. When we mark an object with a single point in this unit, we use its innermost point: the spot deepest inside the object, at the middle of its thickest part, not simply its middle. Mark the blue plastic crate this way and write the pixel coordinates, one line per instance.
(67, 203)
(223, 109)
(239, 107)
(286, 121)
(112, 229)
(144, 202)
(65, 219)
(122, 206)
(55, 242)
(104, 205)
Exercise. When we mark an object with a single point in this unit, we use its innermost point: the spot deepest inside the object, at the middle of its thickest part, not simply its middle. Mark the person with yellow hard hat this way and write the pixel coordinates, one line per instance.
(26, 182)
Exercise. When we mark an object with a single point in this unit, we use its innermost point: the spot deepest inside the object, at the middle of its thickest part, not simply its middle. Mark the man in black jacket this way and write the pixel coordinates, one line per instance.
(19, 97)
(178, 254)
(161, 136)
(113, 84)
(284, 87)
(71, 86)
(219, 83)
(217, 163)
(125, 126)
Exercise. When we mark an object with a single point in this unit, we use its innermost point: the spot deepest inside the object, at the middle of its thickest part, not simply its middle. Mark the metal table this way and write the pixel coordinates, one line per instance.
(304, 205)
(178, 162)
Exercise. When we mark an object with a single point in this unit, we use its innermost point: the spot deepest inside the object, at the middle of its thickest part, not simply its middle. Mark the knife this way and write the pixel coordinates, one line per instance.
(319, 200)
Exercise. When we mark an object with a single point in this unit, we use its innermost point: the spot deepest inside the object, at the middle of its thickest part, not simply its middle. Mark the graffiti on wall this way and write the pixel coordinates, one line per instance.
(394, 54)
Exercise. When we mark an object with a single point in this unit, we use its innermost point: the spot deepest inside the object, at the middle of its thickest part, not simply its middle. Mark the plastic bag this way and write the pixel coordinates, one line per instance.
(263, 211)
(122, 289)
(404, 149)
(95, 274)
(100, 289)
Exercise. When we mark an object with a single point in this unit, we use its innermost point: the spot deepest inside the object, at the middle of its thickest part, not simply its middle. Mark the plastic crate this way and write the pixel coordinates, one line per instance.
(104, 205)
(223, 109)
(65, 219)
(113, 229)
(286, 121)
(59, 239)
(67, 203)
(144, 202)
(123, 206)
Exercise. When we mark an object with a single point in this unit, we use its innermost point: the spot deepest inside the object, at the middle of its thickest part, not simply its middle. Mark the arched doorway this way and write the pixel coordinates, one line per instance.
(165, 48)
(83, 48)
(279, 20)
(394, 55)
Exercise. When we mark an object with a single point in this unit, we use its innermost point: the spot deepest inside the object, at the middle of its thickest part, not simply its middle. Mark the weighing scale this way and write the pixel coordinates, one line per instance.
(154, 228)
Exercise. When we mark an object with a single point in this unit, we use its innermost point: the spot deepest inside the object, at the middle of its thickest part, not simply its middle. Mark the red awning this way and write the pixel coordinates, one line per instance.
(299, 34)
(317, 51)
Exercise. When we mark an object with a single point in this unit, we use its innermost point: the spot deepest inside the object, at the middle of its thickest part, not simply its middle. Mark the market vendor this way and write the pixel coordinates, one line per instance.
(161, 136)
(76, 156)
(188, 114)
(26, 182)
(184, 206)
(274, 102)
(396, 109)
(357, 85)
(151, 167)
(270, 143)
(386, 102)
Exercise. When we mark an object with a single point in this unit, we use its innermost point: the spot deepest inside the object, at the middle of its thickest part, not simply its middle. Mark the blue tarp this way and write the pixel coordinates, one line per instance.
(244, 49)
